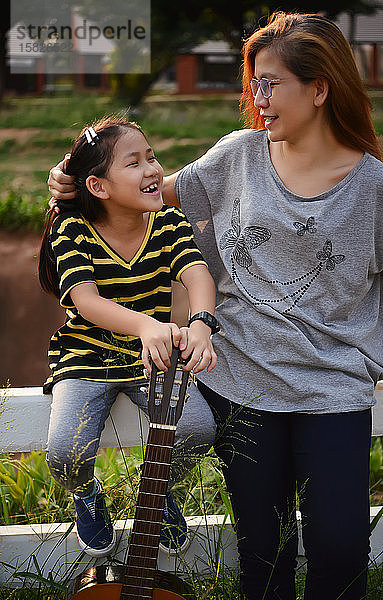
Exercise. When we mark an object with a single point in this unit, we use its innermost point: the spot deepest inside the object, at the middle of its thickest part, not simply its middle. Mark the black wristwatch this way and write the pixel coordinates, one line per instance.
(208, 319)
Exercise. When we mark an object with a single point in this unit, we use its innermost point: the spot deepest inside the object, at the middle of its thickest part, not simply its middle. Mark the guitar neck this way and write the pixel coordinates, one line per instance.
(145, 538)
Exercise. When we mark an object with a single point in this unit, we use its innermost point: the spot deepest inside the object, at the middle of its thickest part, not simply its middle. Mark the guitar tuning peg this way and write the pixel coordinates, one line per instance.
(187, 396)
(145, 390)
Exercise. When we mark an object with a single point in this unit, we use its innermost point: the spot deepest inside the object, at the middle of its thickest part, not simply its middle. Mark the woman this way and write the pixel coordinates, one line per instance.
(288, 216)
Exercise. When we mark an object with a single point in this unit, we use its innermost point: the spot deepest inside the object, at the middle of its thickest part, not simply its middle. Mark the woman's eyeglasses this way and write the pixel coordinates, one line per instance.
(264, 85)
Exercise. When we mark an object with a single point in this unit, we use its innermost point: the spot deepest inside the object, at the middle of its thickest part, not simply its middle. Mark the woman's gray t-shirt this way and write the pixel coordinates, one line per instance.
(299, 279)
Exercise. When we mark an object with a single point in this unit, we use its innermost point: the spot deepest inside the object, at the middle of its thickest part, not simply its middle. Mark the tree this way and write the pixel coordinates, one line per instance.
(178, 26)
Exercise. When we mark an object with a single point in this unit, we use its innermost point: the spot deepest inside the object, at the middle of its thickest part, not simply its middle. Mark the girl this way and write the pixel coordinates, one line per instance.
(110, 258)
(293, 212)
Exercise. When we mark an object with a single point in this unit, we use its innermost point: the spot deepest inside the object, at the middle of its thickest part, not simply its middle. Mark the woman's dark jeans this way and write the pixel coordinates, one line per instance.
(270, 456)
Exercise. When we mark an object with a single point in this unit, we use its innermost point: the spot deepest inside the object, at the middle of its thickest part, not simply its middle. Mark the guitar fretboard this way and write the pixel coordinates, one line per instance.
(138, 581)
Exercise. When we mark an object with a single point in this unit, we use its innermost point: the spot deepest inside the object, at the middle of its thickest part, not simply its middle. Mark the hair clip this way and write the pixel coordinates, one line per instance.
(91, 135)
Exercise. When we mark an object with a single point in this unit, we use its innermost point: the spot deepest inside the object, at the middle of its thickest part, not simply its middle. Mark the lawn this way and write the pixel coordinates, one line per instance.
(36, 132)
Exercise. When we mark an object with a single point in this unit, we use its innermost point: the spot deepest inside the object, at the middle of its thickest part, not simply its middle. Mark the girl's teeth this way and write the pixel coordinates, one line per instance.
(150, 188)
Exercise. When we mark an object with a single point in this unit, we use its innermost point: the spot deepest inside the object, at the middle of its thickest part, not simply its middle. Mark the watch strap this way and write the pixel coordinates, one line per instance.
(207, 318)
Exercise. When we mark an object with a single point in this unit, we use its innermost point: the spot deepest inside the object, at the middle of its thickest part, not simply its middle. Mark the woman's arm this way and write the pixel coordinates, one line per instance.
(168, 191)
(201, 291)
(157, 338)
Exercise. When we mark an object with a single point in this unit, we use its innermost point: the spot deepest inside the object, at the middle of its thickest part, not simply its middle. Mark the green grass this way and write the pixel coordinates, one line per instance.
(226, 588)
(377, 114)
(28, 494)
(41, 130)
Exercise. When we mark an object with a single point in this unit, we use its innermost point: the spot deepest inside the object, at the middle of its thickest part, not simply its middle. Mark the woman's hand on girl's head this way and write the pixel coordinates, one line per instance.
(196, 346)
(60, 185)
(157, 343)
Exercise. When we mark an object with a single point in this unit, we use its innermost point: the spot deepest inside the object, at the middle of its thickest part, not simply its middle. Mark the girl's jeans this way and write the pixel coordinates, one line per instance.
(78, 414)
(268, 457)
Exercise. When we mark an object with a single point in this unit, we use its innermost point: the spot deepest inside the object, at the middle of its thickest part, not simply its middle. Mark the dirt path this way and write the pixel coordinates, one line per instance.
(27, 316)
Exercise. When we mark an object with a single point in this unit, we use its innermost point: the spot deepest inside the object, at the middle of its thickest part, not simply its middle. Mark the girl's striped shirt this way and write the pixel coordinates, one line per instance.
(80, 349)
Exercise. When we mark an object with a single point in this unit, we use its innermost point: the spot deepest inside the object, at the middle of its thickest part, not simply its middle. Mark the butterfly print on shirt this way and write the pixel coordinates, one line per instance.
(251, 237)
(240, 241)
(309, 227)
(328, 257)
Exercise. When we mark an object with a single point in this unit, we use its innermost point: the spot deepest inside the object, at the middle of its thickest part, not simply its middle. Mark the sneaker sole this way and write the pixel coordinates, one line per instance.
(97, 553)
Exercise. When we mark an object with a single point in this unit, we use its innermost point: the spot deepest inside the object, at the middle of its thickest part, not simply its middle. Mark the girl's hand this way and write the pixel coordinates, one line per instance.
(157, 342)
(60, 185)
(198, 347)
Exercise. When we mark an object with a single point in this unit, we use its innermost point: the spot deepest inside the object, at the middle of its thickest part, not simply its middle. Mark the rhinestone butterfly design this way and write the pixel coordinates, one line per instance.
(328, 257)
(241, 241)
(302, 228)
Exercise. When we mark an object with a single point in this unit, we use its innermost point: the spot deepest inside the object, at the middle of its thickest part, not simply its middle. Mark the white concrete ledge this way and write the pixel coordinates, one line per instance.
(24, 420)
(56, 550)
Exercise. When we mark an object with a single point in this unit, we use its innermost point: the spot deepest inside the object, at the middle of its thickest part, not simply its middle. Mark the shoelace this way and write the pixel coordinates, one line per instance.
(91, 505)
(90, 500)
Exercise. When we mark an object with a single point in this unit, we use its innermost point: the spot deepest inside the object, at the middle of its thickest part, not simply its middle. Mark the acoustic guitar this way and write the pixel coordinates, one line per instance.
(138, 578)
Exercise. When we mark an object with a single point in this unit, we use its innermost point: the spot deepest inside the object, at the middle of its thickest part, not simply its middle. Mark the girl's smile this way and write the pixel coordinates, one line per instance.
(152, 189)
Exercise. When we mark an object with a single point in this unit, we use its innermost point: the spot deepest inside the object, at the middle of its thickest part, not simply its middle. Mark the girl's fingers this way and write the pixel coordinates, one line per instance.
(175, 334)
(160, 358)
(194, 357)
(167, 349)
(145, 359)
(200, 359)
(183, 338)
(203, 361)
(213, 362)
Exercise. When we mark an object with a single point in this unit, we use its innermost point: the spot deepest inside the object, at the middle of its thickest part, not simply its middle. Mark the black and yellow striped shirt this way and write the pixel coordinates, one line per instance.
(80, 349)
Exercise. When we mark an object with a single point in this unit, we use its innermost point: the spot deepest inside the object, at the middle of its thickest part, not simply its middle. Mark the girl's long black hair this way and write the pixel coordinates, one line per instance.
(86, 159)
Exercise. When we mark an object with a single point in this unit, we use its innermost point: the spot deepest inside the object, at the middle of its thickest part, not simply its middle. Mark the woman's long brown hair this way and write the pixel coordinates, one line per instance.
(86, 159)
(311, 46)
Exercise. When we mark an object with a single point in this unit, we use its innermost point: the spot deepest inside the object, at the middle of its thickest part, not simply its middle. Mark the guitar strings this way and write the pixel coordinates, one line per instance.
(160, 452)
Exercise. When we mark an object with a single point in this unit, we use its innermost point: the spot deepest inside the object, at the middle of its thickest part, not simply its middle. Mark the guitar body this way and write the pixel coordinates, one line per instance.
(112, 591)
(105, 583)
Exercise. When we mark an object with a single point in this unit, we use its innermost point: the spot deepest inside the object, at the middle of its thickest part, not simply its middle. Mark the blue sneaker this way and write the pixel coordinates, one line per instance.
(95, 532)
(174, 533)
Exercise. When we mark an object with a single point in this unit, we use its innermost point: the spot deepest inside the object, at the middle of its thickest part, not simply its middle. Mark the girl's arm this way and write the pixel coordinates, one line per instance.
(201, 291)
(157, 338)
